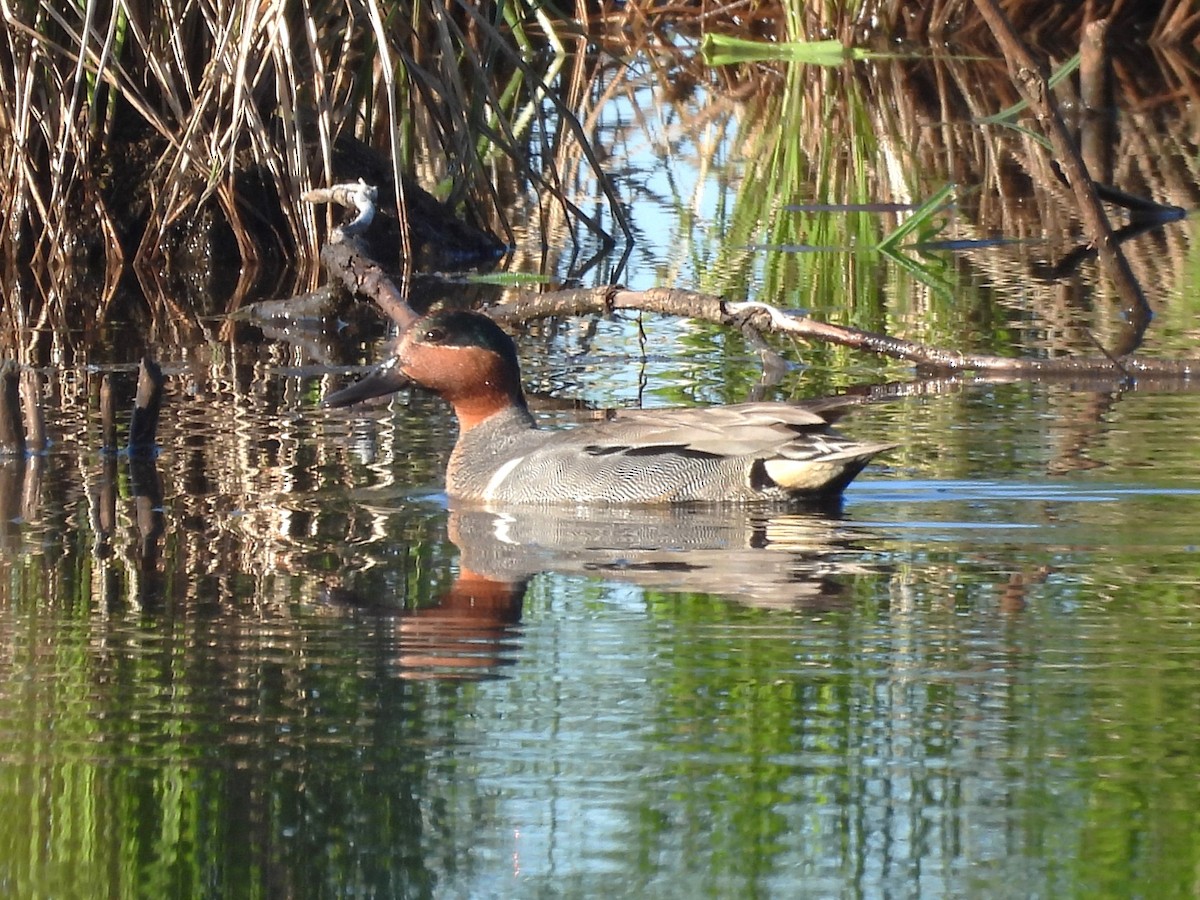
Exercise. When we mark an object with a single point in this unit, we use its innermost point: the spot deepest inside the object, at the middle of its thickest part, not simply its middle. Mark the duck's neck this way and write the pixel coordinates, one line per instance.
(487, 444)
(488, 405)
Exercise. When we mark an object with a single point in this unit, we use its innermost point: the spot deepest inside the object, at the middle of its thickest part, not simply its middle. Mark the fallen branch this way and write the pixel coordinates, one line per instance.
(348, 261)
(349, 264)
(765, 318)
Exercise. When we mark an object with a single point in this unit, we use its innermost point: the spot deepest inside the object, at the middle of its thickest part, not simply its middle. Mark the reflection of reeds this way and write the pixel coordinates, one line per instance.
(898, 132)
(218, 503)
(1016, 195)
(173, 135)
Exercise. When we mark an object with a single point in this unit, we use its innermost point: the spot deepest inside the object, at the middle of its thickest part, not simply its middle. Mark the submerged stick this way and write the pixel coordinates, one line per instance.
(143, 426)
(12, 431)
(1095, 69)
(31, 409)
(108, 415)
(1096, 132)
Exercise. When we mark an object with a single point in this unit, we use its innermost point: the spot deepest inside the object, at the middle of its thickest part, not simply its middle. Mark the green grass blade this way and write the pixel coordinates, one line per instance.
(724, 50)
(506, 279)
(921, 218)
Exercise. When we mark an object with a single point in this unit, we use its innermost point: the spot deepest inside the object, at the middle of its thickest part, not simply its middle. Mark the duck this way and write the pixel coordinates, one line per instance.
(757, 452)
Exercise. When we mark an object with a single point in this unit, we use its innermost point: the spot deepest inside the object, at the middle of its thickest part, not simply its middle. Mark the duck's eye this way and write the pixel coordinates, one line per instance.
(434, 335)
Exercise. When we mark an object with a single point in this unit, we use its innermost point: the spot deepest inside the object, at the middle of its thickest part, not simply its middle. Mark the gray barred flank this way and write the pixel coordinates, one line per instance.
(678, 458)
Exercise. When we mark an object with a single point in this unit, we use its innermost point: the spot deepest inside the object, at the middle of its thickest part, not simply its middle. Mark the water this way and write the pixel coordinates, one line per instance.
(982, 685)
(273, 662)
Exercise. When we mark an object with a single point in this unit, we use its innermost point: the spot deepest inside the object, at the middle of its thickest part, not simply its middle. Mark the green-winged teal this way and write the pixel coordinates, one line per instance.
(739, 453)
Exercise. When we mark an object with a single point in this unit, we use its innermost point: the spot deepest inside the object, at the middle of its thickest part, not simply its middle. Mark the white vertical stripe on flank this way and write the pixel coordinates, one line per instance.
(497, 479)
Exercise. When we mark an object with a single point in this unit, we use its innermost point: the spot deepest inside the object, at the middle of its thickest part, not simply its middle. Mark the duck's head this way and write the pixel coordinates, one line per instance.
(464, 357)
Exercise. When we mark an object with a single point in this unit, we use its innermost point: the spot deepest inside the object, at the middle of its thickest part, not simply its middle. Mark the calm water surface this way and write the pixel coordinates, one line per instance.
(273, 663)
(983, 685)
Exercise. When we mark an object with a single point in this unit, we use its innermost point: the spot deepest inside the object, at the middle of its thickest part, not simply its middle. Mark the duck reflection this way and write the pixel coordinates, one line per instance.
(760, 557)
(468, 633)
(771, 559)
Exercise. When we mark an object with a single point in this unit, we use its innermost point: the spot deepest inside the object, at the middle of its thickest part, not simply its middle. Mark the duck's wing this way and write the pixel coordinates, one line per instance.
(766, 447)
(744, 429)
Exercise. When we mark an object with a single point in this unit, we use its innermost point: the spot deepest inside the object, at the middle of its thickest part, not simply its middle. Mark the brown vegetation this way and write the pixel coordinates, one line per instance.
(174, 139)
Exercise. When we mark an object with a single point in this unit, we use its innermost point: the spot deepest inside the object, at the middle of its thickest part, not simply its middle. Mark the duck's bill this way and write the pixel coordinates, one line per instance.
(387, 379)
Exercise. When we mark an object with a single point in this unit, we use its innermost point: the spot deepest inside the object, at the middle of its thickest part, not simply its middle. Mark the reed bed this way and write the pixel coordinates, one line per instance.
(159, 138)
(140, 134)
(173, 141)
(1166, 22)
